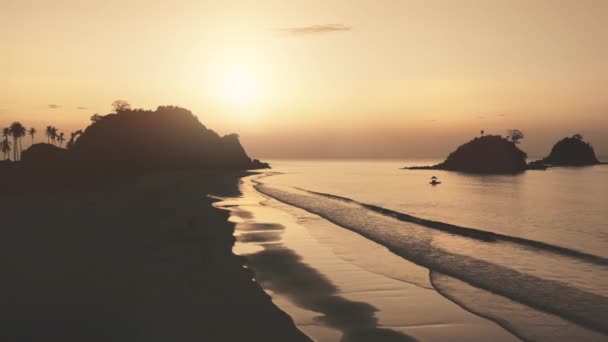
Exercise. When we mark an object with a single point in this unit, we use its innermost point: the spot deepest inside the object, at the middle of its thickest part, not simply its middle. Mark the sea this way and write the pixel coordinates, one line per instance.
(366, 250)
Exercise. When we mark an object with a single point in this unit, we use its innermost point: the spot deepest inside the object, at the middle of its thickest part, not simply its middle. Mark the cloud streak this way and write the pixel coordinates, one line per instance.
(314, 29)
(54, 106)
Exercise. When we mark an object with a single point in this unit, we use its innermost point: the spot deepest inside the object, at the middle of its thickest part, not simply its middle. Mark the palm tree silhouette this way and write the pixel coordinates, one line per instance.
(5, 146)
(54, 135)
(17, 130)
(32, 132)
(61, 139)
(6, 132)
(49, 132)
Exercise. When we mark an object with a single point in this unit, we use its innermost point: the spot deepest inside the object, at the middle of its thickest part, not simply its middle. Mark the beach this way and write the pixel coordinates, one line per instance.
(147, 258)
(317, 273)
(350, 271)
(194, 254)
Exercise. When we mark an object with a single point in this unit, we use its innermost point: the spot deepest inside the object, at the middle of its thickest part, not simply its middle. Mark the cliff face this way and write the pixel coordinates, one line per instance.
(490, 154)
(572, 151)
(168, 136)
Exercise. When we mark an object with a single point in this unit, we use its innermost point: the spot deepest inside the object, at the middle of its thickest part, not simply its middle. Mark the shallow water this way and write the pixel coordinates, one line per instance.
(544, 277)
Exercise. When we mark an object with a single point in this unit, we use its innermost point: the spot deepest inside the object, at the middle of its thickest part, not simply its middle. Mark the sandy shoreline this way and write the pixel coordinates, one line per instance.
(318, 274)
(146, 261)
(151, 259)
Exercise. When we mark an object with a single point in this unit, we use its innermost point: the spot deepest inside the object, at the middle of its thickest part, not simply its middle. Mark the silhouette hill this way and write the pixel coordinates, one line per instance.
(115, 238)
(572, 151)
(167, 137)
(44, 152)
(490, 154)
(122, 146)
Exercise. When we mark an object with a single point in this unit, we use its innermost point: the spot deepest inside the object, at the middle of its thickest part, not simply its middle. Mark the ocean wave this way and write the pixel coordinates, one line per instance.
(475, 233)
(410, 237)
(525, 323)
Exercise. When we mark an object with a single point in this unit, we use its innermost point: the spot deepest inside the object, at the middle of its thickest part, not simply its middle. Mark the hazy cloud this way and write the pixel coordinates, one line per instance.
(54, 106)
(82, 108)
(314, 29)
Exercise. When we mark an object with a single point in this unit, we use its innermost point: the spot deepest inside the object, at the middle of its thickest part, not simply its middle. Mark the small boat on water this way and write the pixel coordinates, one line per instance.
(434, 181)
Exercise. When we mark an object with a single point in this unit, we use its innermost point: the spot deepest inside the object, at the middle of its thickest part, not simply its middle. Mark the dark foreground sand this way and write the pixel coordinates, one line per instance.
(148, 260)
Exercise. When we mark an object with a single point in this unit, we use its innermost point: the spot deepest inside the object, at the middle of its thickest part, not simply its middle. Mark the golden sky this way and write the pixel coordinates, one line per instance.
(317, 78)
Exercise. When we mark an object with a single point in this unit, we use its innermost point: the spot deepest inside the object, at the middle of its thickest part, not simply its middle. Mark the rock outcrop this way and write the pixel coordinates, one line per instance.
(572, 151)
(491, 154)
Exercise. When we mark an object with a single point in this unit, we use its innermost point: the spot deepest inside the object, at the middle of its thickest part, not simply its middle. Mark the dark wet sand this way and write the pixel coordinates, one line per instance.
(310, 290)
(149, 260)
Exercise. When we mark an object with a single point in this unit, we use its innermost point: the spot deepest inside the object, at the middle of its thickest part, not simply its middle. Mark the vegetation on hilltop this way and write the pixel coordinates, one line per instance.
(166, 137)
(486, 154)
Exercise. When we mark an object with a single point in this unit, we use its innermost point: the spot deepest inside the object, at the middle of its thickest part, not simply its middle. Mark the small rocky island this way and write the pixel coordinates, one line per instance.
(493, 154)
(490, 154)
(571, 151)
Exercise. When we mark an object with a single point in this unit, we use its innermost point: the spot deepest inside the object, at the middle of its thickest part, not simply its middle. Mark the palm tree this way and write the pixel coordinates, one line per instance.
(49, 132)
(17, 131)
(5, 146)
(54, 135)
(61, 139)
(6, 132)
(32, 132)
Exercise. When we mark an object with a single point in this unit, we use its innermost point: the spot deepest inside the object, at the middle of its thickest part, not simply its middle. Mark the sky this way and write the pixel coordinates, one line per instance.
(317, 79)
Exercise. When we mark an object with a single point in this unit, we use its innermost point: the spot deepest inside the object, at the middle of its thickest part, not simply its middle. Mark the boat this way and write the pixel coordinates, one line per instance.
(434, 181)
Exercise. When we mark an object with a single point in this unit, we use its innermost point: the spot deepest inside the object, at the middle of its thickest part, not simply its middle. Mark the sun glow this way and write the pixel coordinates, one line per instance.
(240, 88)
(237, 77)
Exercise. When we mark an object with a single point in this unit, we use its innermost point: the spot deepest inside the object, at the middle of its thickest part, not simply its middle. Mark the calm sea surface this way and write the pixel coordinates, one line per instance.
(529, 252)
(345, 245)
(562, 206)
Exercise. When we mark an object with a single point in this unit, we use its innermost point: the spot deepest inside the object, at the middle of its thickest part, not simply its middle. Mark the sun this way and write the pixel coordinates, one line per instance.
(238, 81)
(241, 88)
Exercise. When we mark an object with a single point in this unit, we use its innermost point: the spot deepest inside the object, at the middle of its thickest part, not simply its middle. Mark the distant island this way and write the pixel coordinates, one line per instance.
(572, 151)
(493, 154)
(487, 154)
